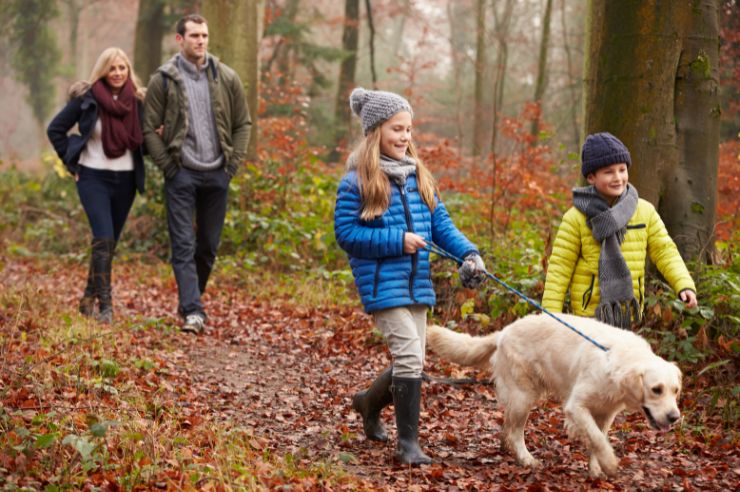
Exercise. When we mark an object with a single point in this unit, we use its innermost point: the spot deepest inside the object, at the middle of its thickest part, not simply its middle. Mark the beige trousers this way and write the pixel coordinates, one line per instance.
(405, 330)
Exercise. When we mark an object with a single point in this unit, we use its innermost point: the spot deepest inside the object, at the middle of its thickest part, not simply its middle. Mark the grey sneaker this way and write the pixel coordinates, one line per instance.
(194, 323)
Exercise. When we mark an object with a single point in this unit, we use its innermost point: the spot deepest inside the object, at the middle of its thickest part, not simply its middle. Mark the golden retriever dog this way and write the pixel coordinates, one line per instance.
(538, 356)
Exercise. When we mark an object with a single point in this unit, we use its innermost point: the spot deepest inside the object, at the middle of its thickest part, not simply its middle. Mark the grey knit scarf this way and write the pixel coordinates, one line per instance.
(398, 171)
(618, 306)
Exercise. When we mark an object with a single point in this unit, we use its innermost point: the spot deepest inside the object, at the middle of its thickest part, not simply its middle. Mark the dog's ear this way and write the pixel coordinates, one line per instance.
(680, 376)
(631, 385)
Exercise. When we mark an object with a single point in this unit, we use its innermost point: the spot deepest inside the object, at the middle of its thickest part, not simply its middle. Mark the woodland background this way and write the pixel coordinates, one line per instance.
(504, 92)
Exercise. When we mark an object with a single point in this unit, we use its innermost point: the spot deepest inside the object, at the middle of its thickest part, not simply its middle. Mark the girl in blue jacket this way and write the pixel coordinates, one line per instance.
(387, 210)
(106, 160)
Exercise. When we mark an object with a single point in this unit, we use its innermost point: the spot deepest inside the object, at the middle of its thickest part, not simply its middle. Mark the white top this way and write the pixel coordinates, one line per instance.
(94, 157)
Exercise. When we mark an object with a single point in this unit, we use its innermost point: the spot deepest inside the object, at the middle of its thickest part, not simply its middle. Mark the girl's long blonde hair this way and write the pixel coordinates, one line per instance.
(375, 187)
(101, 69)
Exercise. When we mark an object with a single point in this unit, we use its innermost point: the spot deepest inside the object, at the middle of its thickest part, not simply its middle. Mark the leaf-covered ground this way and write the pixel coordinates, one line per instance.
(262, 400)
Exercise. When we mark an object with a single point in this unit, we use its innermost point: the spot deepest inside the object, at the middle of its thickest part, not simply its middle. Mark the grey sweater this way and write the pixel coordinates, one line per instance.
(201, 150)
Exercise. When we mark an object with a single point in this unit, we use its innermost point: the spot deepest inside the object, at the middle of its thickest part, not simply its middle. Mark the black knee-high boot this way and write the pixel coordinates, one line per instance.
(407, 403)
(87, 303)
(370, 402)
(102, 263)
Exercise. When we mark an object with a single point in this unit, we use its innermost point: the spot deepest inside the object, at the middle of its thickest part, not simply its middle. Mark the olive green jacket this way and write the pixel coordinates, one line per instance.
(574, 263)
(166, 104)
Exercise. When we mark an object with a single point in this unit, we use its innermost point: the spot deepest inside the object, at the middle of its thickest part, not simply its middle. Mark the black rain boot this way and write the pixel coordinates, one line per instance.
(370, 402)
(87, 303)
(103, 262)
(406, 402)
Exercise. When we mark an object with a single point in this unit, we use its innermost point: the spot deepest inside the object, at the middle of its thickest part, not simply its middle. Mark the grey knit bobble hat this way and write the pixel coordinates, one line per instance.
(375, 107)
(601, 150)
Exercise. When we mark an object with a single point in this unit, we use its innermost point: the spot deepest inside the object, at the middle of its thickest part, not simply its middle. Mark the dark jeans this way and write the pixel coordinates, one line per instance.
(107, 197)
(201, 195)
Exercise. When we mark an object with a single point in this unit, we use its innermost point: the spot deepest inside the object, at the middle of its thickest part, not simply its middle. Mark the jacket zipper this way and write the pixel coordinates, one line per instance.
(587, 294)
(639, 288)
(377, 277)
(410, 225)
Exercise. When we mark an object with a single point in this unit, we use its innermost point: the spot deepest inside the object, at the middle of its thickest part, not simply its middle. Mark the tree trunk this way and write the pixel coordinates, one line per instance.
(539, 90)
(501, 29)
(400, 28)
(480, 70)
(652, 80)
(572, 81)
(150, 30)
(73, 11)
(285, 50)
(234, 30)
(371, 43)
(350, 38)
(458, 45)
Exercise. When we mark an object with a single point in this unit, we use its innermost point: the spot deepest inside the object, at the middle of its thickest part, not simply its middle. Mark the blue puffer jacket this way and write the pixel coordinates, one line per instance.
(385, 276)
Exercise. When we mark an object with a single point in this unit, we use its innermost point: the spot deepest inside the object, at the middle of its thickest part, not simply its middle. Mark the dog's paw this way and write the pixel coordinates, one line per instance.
(594, 470)
(529, 461)
(608, 463)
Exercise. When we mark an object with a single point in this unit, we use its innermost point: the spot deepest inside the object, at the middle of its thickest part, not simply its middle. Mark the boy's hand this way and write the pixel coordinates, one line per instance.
(412, 243)
(689, 297)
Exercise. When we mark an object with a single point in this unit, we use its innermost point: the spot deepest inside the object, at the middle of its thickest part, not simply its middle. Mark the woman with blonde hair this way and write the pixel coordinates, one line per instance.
(106, 159)
(386, 212)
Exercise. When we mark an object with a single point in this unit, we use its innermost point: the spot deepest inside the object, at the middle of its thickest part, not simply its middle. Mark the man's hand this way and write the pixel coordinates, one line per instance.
(412, 243)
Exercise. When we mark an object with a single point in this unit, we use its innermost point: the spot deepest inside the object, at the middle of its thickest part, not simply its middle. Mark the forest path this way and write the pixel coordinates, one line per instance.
(286, 374)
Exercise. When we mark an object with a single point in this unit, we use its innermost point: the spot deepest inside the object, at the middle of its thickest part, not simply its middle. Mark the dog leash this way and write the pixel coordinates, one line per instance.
(441, 252)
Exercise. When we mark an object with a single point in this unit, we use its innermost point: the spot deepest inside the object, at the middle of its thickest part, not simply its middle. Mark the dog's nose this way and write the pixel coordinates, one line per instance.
(673, 416)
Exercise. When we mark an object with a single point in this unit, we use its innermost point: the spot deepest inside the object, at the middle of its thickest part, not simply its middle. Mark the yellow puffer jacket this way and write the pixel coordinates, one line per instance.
(574, 262)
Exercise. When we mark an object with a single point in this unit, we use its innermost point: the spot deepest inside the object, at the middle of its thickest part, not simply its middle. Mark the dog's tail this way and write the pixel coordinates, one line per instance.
(462, 348)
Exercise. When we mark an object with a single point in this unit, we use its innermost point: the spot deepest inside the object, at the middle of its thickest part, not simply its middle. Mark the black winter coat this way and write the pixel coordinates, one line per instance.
(83, 111)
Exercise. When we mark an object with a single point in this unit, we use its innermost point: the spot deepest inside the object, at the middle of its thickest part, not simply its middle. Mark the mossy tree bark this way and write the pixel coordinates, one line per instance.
(235, 33)
(651, 78)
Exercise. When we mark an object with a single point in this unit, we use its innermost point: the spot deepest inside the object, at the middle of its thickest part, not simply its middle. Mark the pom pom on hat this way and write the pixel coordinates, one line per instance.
(375, 107)
(601, 150)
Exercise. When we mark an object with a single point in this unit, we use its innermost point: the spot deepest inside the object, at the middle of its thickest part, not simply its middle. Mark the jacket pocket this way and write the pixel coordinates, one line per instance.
(636, 226)
(639, 288)
(75, 144)
(376, 280)
(589, 292)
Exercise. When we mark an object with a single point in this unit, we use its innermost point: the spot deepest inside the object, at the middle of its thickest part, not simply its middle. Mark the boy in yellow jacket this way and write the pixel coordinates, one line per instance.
(601, 246)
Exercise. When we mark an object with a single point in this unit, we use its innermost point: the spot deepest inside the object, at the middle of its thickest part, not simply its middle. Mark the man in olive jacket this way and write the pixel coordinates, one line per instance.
(196, 128)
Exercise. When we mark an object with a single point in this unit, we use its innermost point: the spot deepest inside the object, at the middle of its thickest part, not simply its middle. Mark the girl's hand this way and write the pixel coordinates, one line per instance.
(689, 297)
(472, 271)
(412, 243)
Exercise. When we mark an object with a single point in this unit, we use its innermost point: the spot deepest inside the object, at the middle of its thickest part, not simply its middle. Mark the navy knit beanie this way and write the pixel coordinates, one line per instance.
(375, 107)
(601, 150)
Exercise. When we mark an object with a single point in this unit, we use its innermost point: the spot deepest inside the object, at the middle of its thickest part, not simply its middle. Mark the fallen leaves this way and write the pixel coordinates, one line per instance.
(263, 400)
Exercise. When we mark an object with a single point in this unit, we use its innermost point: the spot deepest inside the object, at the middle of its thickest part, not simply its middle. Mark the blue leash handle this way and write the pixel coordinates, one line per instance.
(441, 252)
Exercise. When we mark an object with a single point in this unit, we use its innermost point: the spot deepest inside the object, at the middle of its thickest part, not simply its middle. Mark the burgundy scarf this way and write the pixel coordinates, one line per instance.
(119, 118)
